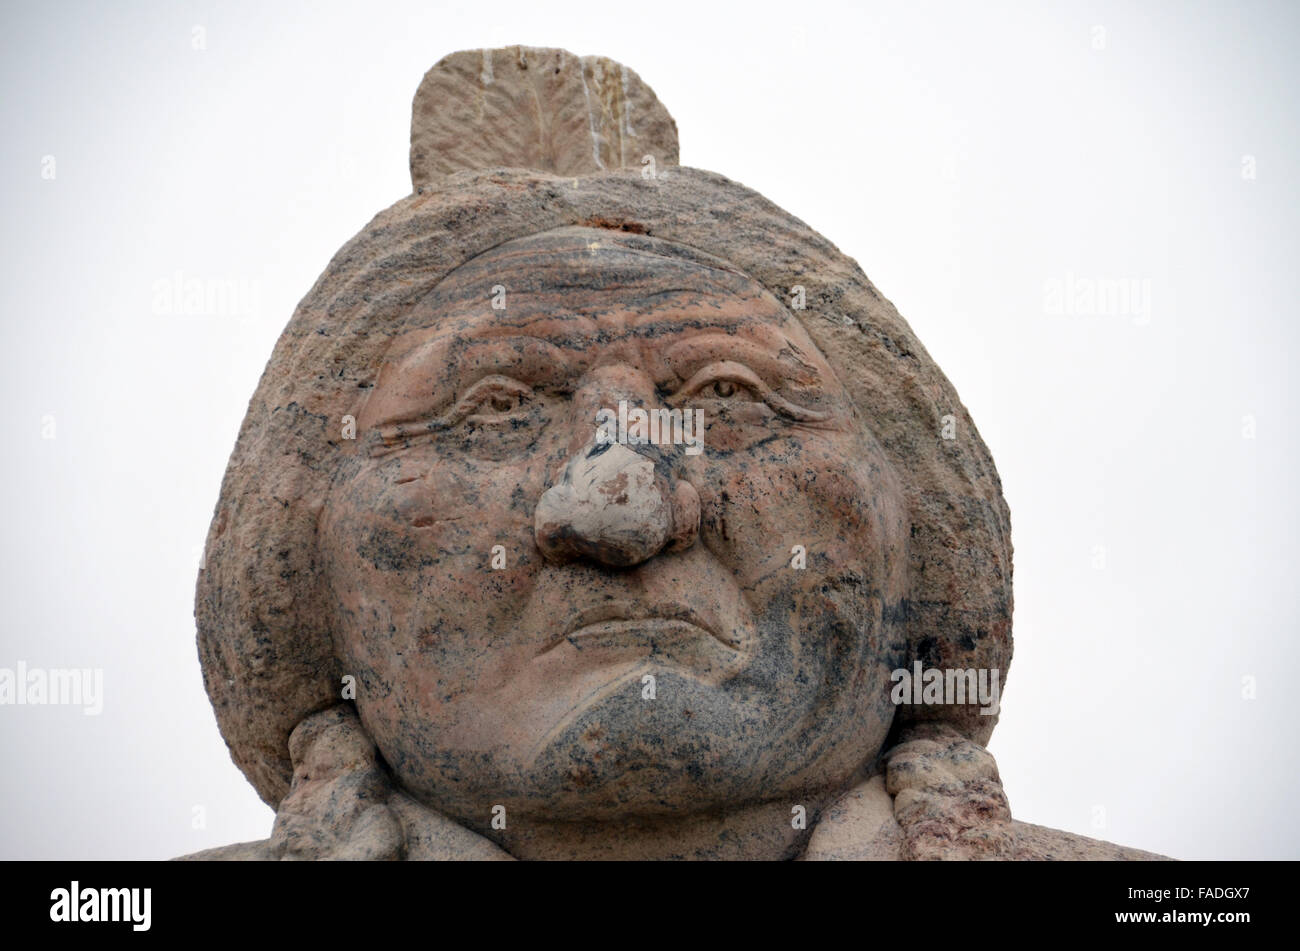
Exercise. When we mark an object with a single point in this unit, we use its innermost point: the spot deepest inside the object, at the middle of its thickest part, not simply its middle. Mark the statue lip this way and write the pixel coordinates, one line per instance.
(614, 617)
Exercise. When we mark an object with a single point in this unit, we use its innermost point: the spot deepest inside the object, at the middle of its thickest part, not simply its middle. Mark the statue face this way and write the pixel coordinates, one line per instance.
(660, 631)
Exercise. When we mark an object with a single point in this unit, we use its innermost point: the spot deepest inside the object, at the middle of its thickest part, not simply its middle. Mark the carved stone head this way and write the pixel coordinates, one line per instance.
(599, 496)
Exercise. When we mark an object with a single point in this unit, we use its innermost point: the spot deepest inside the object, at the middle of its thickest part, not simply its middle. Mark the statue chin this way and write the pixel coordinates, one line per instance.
(624, 757)
(589, 507)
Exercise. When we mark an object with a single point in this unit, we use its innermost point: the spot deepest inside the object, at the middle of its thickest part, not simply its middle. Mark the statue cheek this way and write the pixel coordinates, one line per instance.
(737, 428)
(785, 519)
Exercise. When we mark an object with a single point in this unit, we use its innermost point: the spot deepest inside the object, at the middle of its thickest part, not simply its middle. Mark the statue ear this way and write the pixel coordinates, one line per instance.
(540, 109)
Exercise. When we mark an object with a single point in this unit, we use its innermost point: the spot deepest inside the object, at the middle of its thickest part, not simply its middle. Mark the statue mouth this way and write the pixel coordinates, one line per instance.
(617, 623)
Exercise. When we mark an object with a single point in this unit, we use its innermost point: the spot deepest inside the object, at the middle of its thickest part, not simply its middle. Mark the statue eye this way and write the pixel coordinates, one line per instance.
(736, 384)
(501, 403)
(495, 399)
(725, 389)
(493, 404)
(725, 382)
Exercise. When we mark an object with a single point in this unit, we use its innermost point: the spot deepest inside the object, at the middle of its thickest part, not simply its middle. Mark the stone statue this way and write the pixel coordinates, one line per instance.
(591, 506)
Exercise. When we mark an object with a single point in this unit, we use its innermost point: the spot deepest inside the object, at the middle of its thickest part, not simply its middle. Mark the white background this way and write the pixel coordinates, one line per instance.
(966, 155)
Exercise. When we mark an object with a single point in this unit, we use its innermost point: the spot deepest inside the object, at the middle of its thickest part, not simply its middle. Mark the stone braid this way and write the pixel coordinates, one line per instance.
(948, 797)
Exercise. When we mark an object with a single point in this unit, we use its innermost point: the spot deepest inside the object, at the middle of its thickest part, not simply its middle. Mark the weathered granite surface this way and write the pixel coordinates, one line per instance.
(445, 614)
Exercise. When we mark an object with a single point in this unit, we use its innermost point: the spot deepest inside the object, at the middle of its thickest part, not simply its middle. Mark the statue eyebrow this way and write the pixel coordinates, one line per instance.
(529, 359)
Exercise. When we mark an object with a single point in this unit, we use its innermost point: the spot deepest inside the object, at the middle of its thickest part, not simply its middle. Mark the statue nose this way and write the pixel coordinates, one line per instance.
(612, 504)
